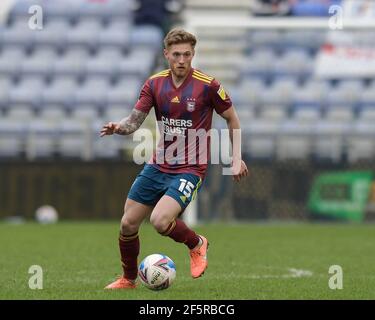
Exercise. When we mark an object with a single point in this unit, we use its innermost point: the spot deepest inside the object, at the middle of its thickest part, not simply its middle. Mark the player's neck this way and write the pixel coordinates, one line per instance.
(178, 81)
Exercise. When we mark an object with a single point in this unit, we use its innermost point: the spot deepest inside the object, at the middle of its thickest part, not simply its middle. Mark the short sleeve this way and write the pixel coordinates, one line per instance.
(219, 98)
(146, 100)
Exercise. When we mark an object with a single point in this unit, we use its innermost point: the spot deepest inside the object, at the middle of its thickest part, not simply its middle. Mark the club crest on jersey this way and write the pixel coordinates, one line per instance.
(190, 104)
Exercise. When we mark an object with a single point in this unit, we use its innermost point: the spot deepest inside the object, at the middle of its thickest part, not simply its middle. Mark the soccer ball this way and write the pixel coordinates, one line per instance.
(157, 271)
(46, 214)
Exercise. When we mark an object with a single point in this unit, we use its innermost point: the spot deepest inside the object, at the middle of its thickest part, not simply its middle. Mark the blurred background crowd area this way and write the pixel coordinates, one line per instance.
(305, 92)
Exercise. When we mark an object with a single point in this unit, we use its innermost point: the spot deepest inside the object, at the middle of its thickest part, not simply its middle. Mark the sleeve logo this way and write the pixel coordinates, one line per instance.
(221, 93)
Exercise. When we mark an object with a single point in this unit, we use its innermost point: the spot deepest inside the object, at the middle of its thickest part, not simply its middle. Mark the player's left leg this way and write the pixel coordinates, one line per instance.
(164, 218)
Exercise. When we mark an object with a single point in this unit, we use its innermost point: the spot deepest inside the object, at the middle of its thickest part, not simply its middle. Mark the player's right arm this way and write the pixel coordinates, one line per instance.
(126, 126)
(132, 122)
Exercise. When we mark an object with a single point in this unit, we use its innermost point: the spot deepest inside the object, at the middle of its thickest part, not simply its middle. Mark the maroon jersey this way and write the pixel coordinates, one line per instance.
(181, 113)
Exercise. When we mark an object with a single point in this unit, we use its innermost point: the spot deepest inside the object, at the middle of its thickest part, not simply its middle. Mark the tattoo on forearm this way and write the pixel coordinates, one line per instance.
(131, 123)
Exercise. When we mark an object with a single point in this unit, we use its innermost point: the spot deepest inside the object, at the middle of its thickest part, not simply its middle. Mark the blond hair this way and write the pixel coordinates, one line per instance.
(177, 36)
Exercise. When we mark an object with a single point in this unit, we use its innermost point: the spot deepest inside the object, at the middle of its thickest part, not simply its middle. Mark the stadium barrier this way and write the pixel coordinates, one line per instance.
(97, 190)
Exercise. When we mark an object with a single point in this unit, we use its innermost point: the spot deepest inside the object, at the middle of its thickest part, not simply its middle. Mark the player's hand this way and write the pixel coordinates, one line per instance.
(110, 128)
(239, 170)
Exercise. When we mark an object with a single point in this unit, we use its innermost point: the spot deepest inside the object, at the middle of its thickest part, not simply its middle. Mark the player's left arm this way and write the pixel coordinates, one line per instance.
(233, 122)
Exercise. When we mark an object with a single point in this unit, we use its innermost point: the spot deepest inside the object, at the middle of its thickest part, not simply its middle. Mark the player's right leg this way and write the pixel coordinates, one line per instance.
(134, 214)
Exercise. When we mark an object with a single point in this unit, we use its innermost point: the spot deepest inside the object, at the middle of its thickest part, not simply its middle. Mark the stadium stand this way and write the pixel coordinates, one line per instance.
(91, 58)
(64, 79)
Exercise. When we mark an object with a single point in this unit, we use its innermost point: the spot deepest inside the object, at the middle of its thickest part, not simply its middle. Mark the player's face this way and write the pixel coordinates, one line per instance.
(179, 57)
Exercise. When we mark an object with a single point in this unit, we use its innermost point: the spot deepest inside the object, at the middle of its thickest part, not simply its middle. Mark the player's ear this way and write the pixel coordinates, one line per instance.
(165, 53)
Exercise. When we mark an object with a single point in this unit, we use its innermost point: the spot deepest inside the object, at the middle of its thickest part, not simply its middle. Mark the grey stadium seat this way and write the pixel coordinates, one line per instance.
(18, 34)
(93, 91)
(29, 91)
(106, 62)
(74, 139)
(147, 35)
(42, 137)
(361, 141)
(72, 62)
(60, 91)
(294, 140)
(260, 138)
(54, 33)
(40, 62)
(85, 33)
(330, 137)
(125, 92)
(13, 133)
(11, 60)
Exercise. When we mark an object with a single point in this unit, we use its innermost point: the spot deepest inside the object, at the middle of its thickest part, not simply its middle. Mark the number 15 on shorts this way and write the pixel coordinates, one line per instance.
(186, 187)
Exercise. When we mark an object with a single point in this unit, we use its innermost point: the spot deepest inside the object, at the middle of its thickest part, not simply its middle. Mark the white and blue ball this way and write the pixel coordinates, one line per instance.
(157, 271)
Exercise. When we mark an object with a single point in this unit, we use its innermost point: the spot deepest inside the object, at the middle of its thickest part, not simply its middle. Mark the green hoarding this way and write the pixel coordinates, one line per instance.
(342, 195)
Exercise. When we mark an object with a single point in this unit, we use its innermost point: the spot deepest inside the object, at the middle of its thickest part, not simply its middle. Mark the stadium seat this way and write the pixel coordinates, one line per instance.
(85, 112)
(367, 113)
(260, 138)
(340, 113)
(41, 140)
(294, 140)
(312, 94)
(330, 137)
(23, 112)
(308, 114)
(93, 91)
(5, 85)
(117, 34)
(361, 141)
(52, 112)
(294, 62)
(259, 64)
(103, 148)
(251, 90)
(124, 92)
(116, 112)
(60, 91)
(13, 132)
(367, 97)
(74, 139)
(85, 32)
(275, 112)
(18, 33)
(72, 62)
(54, 34)
(11, 60)
(40, 62)
(28, 91)
(150, 36)
(105, 62)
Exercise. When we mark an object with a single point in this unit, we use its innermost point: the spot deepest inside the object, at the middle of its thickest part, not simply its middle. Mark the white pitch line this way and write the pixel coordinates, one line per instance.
(293, 273)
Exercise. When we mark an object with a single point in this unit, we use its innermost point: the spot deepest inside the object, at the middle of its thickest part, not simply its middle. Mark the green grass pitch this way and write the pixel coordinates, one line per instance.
(246, 261)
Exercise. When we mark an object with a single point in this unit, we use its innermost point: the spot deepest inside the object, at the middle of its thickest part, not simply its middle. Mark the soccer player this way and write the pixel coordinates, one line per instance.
(183, 99)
